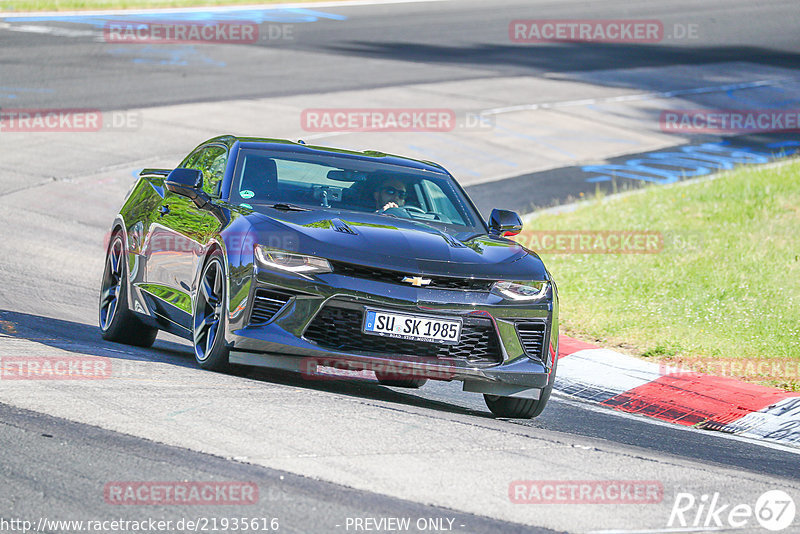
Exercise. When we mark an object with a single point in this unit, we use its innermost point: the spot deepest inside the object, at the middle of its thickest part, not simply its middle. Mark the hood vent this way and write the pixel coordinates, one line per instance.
(453, 242)
(341, 226)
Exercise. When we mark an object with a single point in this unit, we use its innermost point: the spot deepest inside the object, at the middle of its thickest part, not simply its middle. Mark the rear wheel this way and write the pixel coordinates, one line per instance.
(208, 320)
(117, 321)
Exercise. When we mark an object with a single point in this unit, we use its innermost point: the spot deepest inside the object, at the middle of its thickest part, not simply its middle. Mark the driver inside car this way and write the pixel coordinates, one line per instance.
(391, 194)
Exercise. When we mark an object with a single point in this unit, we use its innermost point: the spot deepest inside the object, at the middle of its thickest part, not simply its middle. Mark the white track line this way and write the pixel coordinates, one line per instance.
(49, 30)
(642, 96)
(611, 197)
(210, 9)
(668, 530)
(610, 99)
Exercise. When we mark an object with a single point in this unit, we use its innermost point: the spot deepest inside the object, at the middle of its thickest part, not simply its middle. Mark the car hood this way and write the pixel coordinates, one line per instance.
(394, 243)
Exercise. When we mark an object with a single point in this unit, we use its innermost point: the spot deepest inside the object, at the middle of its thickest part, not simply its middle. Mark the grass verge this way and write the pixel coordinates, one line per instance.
(722, 295)
(75, 5)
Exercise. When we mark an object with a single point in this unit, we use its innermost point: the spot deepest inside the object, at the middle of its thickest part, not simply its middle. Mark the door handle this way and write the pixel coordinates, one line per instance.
(163, 210)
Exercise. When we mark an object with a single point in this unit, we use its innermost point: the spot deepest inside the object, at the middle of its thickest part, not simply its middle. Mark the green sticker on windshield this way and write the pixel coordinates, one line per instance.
(246, 193)
(248, 206)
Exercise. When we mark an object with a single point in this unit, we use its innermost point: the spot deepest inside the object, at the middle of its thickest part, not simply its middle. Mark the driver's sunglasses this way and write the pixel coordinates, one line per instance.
(399, 192)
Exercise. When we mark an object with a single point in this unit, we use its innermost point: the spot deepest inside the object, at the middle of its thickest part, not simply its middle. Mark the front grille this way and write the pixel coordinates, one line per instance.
(339, 328)
(531, 336)
(396, 277)
(266, 304)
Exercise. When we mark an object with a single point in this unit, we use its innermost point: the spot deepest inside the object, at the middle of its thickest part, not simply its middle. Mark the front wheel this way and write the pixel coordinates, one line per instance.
(518, 407)
(208, 319)
(515, 407)
(117, 322)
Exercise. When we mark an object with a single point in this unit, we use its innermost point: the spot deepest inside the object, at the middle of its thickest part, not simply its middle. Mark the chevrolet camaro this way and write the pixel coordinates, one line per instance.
(270, 253)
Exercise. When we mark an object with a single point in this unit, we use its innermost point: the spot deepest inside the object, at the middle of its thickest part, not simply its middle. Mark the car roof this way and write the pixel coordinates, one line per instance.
(284, 145)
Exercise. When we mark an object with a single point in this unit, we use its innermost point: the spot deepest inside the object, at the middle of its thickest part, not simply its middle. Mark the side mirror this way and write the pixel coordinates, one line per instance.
(187, 183)
(180, 179)
(504, 223)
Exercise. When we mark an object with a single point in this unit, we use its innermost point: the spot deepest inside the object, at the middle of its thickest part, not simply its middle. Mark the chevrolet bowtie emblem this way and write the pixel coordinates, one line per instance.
(417, 281)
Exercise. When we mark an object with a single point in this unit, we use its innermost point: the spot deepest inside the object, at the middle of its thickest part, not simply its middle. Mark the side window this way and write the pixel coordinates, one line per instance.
(212, 161)
(191, 161)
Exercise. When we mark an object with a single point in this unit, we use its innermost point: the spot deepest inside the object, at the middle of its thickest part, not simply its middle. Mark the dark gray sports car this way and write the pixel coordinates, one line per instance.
(270, 253)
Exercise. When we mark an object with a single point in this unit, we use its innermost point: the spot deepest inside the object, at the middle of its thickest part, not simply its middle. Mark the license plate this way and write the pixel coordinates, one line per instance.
(412, 327)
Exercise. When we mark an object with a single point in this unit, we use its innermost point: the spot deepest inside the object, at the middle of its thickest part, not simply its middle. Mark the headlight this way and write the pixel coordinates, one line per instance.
(522, 290)
(289, 261)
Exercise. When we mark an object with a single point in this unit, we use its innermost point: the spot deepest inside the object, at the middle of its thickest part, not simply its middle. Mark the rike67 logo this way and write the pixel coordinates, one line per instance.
(773, 510)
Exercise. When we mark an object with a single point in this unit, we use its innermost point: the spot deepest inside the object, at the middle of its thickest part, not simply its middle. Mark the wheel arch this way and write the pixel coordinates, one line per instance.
(213, 246)
(119, 226)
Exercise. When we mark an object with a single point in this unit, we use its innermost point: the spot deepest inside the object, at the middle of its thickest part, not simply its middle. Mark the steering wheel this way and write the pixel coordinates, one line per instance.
(406, 211)
(397, 212)
(415, 209)
(425, 214)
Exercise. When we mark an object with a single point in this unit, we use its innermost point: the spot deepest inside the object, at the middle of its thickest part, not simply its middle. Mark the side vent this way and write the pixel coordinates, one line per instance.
(266, 304)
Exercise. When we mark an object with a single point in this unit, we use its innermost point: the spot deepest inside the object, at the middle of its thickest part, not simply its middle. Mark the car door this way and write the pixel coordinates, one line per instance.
(179, 237)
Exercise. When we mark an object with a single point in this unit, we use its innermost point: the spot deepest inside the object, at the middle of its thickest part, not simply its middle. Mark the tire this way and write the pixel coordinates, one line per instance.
(394, 380)
(518, 407)
(208, 318)
(117, 322)
(515, 407)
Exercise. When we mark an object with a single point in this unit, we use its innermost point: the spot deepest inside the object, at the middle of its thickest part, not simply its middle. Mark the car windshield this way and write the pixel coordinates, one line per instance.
(342, 183)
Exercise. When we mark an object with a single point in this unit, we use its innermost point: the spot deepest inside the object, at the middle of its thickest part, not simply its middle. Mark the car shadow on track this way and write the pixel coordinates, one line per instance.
(562, 57)
(85, 339)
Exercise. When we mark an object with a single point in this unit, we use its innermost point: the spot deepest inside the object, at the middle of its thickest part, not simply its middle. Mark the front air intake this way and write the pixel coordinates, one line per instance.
(531, 337)
(266, 305)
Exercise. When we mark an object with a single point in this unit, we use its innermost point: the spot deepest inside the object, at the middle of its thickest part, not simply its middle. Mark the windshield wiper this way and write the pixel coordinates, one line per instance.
(285, 206)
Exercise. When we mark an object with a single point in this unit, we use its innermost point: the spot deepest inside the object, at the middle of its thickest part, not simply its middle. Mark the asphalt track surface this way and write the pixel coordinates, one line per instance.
(56, 466)
(384, 45)
(66, 487)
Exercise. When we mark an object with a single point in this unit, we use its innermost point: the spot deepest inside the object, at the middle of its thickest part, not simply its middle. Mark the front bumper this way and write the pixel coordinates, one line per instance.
(285, 340)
